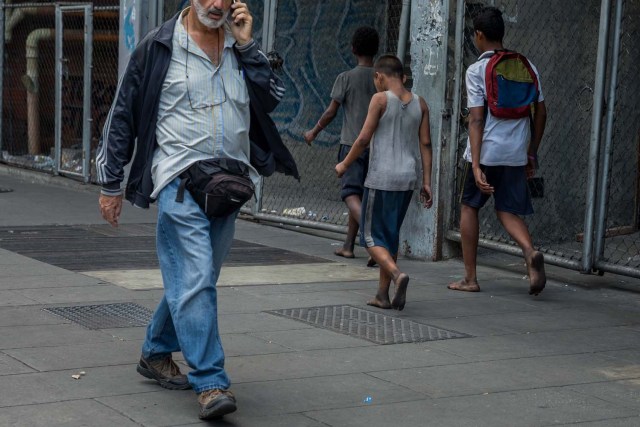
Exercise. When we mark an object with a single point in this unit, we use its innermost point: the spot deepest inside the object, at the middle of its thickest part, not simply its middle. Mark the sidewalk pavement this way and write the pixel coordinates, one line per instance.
(568, 357)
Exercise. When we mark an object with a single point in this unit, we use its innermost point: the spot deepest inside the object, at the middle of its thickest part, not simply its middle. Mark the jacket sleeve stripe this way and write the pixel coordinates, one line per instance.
(101, 158)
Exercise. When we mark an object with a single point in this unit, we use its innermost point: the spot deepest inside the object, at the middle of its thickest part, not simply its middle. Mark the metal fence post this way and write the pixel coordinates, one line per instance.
(449, 157)
(596, 126)
(58, 91)
(86, 105)
(269, 24)
(1, 73)
(403, 33)
(603, 193)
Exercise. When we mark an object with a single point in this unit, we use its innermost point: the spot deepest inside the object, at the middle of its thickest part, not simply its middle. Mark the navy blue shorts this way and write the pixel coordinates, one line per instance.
(353, 179)
(382, 215)
(511, 192)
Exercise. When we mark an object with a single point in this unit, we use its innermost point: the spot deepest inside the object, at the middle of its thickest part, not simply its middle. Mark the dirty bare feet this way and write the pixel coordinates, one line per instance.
(400, 297)
(535, 269)
(380, 302)
(371, 262)
(464, 286)
(344, 253)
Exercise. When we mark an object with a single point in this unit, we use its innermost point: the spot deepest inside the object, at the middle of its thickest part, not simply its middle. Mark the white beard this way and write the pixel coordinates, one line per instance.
(204, 19)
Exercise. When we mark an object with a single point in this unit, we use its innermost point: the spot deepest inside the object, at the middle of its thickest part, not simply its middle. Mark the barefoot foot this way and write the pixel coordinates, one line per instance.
(537, 276)
(464, 286)
(400, 296)
(379, 302)
(344, 253)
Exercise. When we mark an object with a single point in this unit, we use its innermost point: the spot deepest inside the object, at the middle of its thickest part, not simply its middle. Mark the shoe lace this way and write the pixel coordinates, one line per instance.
(211, 393)
(171, 366)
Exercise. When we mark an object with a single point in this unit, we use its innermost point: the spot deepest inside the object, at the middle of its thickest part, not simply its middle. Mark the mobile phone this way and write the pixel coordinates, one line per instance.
(230, 18)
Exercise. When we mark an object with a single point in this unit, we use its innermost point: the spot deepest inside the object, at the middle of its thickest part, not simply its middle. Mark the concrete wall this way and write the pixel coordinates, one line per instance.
(429, 35)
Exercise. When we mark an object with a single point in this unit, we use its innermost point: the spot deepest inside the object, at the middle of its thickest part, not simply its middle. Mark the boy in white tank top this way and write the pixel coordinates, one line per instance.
(397, 127)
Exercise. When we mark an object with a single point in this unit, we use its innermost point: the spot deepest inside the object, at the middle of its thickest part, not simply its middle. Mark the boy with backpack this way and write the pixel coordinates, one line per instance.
(503, 88)
(397, 127)
(352, 90)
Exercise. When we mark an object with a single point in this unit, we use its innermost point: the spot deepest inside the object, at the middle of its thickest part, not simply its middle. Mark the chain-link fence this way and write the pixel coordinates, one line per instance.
(561, 39)
(621, 246)
(34, 80)
(314, 38)
(29, 81)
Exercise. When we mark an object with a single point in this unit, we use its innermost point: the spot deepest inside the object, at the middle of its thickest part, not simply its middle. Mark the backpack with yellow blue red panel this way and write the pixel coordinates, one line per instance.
(512, 85)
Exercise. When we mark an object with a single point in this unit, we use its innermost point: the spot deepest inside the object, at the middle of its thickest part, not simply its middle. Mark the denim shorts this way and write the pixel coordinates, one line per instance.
(511, 192)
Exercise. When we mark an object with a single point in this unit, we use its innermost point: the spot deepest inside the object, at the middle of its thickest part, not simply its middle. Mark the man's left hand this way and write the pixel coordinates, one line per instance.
(241, 23)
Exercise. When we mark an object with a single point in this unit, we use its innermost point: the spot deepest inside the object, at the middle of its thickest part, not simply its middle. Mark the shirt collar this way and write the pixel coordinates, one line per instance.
(229, 40)
(487, 54)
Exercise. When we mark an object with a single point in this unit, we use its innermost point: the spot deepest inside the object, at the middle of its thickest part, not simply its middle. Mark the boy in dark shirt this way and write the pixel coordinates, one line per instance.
(352, 90)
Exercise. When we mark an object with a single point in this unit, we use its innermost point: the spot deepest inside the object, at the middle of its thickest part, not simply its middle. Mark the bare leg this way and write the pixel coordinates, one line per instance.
(517, 229)
(381, 299)
(354, 204)
(389, 267)
(469, 230)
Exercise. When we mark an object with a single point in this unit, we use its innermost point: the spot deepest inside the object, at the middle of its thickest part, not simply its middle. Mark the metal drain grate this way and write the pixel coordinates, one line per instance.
(369, 325)
(105, 316)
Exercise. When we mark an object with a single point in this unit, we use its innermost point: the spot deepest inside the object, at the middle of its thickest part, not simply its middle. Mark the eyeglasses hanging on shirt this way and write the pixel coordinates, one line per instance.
(210, 92)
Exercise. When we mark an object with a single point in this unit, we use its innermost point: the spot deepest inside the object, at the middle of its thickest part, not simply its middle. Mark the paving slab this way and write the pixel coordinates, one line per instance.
(478, 378)
(11, 366)
(522, 408)
(40, 336)
(626, 392)
(256, 322)
(28, 316)
(11, 258)
(179, 408)
(257, 400)
(311, 339)
(34, 269)
(541, 344)
(13, 298)
(246, 275)
(86, 294)
(236, 419)
(58, 386)
(304, 364)
(79, 356)
(247, 345)
(463, 307)
(65, 280)
(611, 422)
(74, 413)
(523, 322)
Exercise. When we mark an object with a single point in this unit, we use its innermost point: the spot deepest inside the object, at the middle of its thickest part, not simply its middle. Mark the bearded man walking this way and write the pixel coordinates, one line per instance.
(195, 89)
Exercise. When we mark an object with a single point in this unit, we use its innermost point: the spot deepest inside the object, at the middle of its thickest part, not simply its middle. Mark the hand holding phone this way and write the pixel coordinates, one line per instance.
(242, 22)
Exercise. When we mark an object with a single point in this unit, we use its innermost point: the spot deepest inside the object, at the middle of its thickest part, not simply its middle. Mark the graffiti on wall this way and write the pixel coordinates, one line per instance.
(314, 38)
(130, 26)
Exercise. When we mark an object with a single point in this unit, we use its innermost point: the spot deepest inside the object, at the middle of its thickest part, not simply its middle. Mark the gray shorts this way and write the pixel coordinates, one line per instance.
(353, 179)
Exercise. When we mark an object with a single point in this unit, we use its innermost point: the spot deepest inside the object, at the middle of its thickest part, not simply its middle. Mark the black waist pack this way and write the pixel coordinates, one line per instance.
(219, 186)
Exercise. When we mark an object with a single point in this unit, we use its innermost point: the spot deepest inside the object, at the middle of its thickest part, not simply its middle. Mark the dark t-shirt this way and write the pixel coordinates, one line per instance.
(353, 89)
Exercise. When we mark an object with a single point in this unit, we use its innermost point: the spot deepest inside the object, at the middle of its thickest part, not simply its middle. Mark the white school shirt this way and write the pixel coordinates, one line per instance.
(505, 141)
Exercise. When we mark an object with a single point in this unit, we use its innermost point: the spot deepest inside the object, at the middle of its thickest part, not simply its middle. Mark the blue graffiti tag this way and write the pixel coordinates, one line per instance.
(129, 29)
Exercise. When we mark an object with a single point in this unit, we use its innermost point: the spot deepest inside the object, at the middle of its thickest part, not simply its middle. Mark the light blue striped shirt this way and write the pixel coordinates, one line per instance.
(214, 124)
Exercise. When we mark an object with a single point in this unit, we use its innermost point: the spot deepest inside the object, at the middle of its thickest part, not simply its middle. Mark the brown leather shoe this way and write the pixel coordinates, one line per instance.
(165, 372)
(216, 403)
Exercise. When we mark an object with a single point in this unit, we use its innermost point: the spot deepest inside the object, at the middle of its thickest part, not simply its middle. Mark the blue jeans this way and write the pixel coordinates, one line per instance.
(191, 249)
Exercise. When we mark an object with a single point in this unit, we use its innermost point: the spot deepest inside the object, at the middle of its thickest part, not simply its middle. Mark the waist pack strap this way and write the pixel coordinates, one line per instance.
(180, 194)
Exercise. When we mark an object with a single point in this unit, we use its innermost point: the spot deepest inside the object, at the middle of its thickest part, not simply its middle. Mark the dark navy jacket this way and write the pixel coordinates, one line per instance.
(134, 112)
